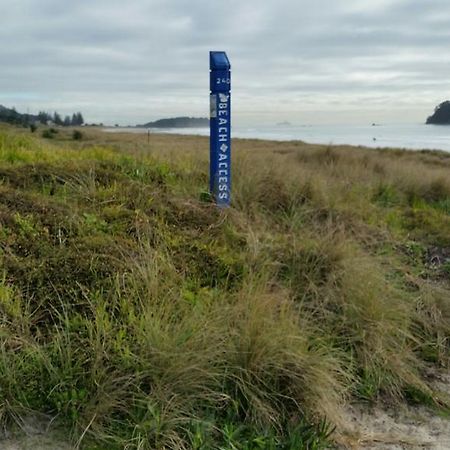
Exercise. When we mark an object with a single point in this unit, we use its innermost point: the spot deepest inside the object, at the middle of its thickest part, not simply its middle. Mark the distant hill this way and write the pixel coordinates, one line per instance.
(441, 115)
(178, 122)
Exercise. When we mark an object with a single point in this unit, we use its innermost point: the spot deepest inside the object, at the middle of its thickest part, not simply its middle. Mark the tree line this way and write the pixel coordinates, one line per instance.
(75, 120)
(10, 115)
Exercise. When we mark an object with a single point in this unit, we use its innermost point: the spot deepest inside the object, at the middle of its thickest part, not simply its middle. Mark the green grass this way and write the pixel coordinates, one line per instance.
(139, 315)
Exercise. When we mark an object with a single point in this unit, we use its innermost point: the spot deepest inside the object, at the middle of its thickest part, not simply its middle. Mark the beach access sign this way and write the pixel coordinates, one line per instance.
(220, 128)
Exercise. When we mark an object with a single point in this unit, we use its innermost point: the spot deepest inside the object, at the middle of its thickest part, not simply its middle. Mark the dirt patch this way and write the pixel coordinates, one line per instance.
(34, 434)
(401, 428)
(41, 442)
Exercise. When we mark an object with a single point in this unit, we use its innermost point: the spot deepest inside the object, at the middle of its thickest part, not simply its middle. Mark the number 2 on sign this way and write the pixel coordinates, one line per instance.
(222, 81)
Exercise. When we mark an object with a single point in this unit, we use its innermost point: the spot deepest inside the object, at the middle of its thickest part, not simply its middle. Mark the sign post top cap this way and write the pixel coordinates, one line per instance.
(219, 61)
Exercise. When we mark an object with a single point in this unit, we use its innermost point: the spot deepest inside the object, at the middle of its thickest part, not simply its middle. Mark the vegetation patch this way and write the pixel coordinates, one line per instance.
(138, 315)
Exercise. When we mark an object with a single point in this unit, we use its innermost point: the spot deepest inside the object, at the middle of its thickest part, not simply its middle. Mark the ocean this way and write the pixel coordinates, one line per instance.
(412, 136)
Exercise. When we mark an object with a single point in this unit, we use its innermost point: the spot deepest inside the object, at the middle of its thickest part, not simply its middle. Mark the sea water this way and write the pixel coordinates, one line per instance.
(412, 136)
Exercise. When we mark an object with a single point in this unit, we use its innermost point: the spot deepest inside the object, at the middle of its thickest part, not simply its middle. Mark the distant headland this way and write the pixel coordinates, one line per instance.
(441, 115)
(178, 122)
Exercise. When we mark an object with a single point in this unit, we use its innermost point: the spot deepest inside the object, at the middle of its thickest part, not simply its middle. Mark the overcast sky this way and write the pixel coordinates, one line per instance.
(304, 61)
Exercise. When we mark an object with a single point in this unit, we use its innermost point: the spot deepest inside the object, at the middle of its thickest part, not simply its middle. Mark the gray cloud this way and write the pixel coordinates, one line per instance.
(140, 60)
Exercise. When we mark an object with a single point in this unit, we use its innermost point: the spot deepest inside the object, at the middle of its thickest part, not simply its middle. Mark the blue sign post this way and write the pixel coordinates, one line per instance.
(220, 128)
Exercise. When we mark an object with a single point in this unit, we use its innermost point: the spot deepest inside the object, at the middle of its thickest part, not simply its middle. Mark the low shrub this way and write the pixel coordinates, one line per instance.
(49, 133)
(77, 135)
